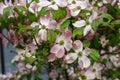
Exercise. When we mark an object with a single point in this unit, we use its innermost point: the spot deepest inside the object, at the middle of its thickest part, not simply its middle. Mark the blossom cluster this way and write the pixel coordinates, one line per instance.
(71, 39)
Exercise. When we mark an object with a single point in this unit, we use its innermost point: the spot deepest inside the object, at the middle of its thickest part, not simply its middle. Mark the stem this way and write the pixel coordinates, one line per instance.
(36, 42)
(6, 38)
(66, 75)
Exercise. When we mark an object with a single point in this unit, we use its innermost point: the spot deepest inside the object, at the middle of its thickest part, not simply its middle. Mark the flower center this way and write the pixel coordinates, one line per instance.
(61, 42)
(84, 77)
(78, 7)
(43, 26)
(80, 53)
(94, 70)
(53, 3)
(73, 2)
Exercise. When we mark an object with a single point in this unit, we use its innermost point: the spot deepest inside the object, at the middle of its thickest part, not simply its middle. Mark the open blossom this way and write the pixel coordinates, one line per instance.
(81, 23)
(43, 24)
(75, 6)
(115, 60)
(103, 41)
(95, 70)
(62, 43)
(81, 54)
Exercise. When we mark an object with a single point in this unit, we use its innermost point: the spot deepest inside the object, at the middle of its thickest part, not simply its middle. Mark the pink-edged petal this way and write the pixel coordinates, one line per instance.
(85, 60)
(51, 57)
(87, 29)
(77, 46)
(53, 24)
(34, 24)
(74, 12)
(44, 3)
(90, 75)
(31, 10)
(87, 51)
(44, 20)
(62, 3)
(80, 23)
(43, 34)
(61, 52)
(67, 33)
(70, 58)
(68, 45)
(93, 17)
(55, 48)
(98, 66)
(55, 7)
(83, 4)
(98, 75)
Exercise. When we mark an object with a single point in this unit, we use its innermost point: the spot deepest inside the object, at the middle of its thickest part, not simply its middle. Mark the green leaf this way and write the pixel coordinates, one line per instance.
(29, 76)
(6, 12)
(65, 24)
(31, 59)
(107, 16)
(96, 23)
(60, 13)
(39, 68)
(94, 55)
(77, 31)
(23, 28)
(42, 12)
(116, 22)
(84, 12)
(51, 36)
(112, 73)
(34, 31)
(86, 43)
(32, 17)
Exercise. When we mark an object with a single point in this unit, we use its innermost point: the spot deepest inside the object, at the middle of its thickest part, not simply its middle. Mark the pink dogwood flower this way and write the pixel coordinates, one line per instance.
(75, 6)
(62, 43)
(81, 23)
(44, 25)
(81, 54)
(95, 70)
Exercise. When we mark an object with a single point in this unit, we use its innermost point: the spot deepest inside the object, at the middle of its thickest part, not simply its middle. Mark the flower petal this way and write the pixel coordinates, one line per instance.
(90, 75)
(55, 48)
(55, 7)
(83, 4)
(34, 24)
(87, 51)
(43, 34)
(44, 3)
(71, 57)
(68, 45)
(51, 57)
(67, 33)
(62, 3)
(61, 52)
(85, 60)
(77, 46)
(44, 20)
(80, 23)
(74, 12)
(87, 29)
